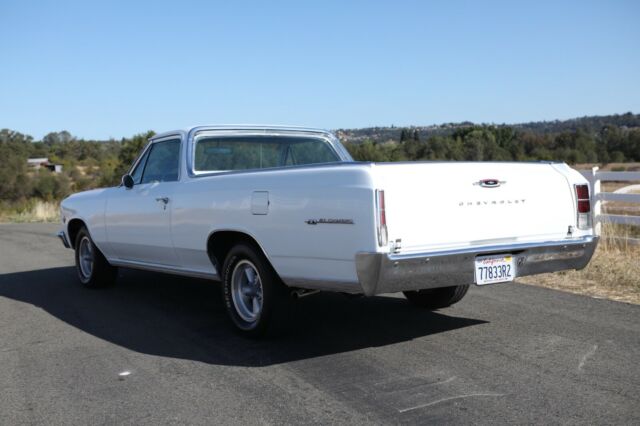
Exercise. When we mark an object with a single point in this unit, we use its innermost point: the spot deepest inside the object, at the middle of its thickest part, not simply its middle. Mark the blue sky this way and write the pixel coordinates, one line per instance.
(113, 69)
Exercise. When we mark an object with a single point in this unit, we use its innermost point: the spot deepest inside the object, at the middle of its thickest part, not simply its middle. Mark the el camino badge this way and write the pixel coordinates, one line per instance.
(329, 221)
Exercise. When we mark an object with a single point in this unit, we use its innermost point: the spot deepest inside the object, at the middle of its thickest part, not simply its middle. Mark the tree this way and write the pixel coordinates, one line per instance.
(14, 151)
(58, 137)
(413, 149)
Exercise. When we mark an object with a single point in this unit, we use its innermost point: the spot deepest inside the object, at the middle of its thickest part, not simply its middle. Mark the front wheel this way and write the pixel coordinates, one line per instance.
(92, 267)
(436, 298)
(255, 298)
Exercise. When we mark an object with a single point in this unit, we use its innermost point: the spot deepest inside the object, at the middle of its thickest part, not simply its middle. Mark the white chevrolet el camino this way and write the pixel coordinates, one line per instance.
(276, 213)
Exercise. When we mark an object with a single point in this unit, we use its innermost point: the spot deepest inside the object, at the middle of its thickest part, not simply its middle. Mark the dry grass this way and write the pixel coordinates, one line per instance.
(622, 208)
(613, 273)
(36, 211)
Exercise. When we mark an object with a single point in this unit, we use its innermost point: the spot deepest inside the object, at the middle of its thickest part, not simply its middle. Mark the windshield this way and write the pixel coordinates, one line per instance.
(260, 152)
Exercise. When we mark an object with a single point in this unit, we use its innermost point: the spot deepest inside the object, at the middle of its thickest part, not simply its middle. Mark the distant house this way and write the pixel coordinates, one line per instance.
(38, 163)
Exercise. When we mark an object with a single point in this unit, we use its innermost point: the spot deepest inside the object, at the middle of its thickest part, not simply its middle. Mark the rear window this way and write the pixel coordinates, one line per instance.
(260, 152)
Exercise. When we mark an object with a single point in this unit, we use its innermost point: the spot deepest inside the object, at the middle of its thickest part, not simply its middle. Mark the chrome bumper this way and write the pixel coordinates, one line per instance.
(63, 238)
(388, 273)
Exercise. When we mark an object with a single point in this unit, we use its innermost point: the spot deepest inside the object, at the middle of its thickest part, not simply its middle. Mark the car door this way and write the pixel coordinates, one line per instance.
(138, 219)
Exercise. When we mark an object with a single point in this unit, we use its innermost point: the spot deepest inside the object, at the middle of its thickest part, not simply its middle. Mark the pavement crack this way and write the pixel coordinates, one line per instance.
(438, 401)
(586, 356)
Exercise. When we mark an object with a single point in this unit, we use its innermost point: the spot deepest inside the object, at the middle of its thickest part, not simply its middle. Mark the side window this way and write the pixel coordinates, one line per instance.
(163, 162)
(137, 173)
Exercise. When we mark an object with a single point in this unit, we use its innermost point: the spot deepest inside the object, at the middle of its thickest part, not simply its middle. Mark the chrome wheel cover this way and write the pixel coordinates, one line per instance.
(246, 291)
(85, 258)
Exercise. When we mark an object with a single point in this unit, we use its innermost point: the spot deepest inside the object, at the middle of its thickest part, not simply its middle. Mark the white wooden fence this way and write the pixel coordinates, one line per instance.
(594, 176)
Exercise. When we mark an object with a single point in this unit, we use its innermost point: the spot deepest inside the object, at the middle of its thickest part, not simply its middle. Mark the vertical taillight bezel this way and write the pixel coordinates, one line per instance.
(583, 206)
(381, 218)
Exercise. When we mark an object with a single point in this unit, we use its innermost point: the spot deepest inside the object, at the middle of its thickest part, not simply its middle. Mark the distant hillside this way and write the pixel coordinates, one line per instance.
(589, 124)
(91, 163)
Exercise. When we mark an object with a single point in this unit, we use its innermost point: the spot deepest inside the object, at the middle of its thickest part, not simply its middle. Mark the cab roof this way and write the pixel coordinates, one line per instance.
(257, 127)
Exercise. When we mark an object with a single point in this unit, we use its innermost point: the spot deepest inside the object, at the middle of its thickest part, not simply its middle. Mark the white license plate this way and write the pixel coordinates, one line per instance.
(495, 269)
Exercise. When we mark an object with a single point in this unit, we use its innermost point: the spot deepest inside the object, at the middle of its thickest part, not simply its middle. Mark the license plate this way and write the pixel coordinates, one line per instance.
(495, 269)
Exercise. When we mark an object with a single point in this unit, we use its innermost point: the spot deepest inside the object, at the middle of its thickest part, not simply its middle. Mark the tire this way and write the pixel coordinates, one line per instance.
(256, 300)
(92, 267)
(436, 298)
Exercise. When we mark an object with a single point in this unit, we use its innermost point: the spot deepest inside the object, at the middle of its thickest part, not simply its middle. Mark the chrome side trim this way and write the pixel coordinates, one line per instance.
(163, 269)
(63, 238)
(389, 273)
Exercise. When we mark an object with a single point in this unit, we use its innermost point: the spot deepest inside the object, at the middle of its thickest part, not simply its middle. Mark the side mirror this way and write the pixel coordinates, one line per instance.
(127, 181)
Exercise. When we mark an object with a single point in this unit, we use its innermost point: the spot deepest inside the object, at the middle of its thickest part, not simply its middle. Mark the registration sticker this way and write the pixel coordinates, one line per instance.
(495, 269)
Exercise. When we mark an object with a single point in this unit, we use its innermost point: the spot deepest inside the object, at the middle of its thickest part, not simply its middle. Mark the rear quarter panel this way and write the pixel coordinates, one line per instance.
(297, 250)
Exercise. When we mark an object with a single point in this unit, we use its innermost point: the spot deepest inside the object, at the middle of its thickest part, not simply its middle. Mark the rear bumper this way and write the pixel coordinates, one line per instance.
(388, 273)
(63, 238)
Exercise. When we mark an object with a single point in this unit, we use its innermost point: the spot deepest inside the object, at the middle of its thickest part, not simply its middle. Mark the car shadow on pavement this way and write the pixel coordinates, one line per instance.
(184, 318)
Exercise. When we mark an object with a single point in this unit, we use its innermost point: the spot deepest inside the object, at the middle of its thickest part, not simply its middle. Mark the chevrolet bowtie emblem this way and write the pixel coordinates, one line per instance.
(490, 183)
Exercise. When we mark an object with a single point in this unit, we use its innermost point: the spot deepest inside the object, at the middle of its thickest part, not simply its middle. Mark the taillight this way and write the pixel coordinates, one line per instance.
(582, 191)
(382, 218)
(583, 207)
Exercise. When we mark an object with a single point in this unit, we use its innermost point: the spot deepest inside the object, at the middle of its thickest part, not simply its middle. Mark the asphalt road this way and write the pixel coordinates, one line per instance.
(511, 353)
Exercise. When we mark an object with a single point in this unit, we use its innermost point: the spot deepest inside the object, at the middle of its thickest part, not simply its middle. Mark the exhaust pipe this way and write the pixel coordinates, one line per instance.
(303, 292)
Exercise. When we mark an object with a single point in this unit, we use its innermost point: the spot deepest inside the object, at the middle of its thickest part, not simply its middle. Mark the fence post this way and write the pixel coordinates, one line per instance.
(597, 203)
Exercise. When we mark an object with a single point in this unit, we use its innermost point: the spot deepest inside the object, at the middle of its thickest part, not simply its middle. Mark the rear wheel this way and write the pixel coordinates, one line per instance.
(436, 298)
(92, 267)
(257, 302)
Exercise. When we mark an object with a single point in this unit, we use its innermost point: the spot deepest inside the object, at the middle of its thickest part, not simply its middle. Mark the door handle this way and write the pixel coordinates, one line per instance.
(165, 201)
